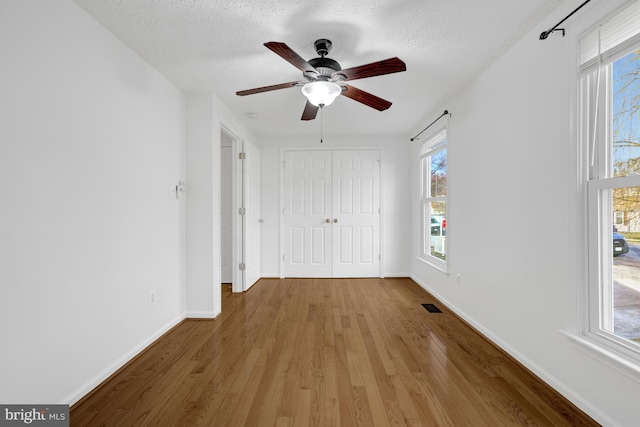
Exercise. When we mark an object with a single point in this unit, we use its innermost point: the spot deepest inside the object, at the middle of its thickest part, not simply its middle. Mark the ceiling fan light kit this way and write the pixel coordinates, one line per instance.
(324, 79)
(321, 93)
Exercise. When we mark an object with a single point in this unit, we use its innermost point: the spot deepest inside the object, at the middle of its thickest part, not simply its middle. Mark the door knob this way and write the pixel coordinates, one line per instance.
(335, 220)
(327, 220)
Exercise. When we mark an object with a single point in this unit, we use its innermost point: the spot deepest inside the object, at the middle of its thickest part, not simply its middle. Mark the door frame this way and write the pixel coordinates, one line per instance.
(237, 278)
(283, 150)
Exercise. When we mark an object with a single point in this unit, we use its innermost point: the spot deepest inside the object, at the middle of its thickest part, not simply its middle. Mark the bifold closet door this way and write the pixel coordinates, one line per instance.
(307, 214)
(356, 214)
(331, 213)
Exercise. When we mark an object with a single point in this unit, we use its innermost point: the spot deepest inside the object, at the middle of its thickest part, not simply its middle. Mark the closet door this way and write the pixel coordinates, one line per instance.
(356, 214)
(331, 213)
(307, 214)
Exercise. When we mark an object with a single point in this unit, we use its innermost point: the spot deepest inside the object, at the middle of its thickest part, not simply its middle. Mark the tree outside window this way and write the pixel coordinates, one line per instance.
(621, 315)
(434, 204)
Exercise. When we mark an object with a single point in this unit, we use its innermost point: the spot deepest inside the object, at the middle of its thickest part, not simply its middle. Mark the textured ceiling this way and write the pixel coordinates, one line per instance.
(217, 46)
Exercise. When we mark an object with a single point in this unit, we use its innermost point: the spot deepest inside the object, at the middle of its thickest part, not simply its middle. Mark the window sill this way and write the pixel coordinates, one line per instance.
(435, 263)
(602, 353)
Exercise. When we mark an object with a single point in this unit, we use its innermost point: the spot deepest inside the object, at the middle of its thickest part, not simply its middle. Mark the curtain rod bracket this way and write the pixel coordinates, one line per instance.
(545, 34)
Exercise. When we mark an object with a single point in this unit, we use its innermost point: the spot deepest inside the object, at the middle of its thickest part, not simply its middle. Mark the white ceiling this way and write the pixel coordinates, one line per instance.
(217, 46)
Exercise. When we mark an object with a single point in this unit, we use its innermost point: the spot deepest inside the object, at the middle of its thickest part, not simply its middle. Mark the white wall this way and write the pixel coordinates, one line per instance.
(395, 190)
(510, 221)
(205, 116)
(202, 255)
(91, 139)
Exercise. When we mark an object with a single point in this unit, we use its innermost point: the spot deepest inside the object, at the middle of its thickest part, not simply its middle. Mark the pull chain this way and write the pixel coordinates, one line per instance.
(321, 105)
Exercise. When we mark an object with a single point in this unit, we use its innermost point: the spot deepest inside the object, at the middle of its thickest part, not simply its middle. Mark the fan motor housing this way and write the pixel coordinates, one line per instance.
(325, 66)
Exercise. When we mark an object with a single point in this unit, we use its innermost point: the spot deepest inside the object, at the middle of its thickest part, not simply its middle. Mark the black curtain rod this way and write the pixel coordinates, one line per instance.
(545, 34)
(441, 116)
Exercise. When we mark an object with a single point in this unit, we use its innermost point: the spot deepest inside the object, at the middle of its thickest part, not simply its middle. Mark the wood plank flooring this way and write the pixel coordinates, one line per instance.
(325, 352)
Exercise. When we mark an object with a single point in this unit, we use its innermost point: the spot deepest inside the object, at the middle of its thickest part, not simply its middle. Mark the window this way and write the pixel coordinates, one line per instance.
(609, 131)
(433, 195)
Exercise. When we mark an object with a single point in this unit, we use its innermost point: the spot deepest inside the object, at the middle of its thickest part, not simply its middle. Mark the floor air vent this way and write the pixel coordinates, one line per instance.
(431, 308)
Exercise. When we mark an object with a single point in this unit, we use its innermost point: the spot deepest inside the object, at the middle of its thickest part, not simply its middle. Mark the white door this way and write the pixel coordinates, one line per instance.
(356, 213)
(307, 213)
(252, 217)
(331, 213)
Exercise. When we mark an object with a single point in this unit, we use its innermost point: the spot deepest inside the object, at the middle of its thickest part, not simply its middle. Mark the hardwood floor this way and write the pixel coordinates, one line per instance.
(325, 352)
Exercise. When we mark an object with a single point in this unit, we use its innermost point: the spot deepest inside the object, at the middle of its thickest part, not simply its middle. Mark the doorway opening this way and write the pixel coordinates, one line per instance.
(240, 219)
(226, 209)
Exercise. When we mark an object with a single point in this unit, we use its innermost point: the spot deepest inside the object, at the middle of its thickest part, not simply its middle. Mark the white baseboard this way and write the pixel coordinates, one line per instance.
(111, 369)
(202, 314)
(586, 406)
(390, 275)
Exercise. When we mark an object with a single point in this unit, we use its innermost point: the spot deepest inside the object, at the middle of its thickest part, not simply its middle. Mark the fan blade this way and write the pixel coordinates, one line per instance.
(290, 56)
(366, 98)
(387, 66)
(266, 88)
(310, 112)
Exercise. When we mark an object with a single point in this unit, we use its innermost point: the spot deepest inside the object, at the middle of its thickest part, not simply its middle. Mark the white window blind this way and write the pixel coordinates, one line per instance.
(613, 34)
(435, 141)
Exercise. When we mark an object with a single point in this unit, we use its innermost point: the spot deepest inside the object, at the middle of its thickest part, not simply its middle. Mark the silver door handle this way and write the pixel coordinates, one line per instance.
(335, 220)
(327, 220)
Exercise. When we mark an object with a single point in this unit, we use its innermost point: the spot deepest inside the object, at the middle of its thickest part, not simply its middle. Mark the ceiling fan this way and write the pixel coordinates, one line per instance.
(325, 79)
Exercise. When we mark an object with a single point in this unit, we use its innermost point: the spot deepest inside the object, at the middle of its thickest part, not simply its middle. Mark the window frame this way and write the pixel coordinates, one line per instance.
(597, 217)
(436, 142)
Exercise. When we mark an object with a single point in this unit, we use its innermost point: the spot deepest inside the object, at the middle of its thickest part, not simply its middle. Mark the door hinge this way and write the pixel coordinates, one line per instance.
(242, 211)
(241, 266)
(242, 156)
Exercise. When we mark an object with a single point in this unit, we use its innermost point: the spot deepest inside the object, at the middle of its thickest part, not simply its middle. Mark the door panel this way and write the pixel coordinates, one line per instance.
(297, 245)
(306, 207)
(356, 191)
(319, 245)
(366, 245)
(342, 187)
